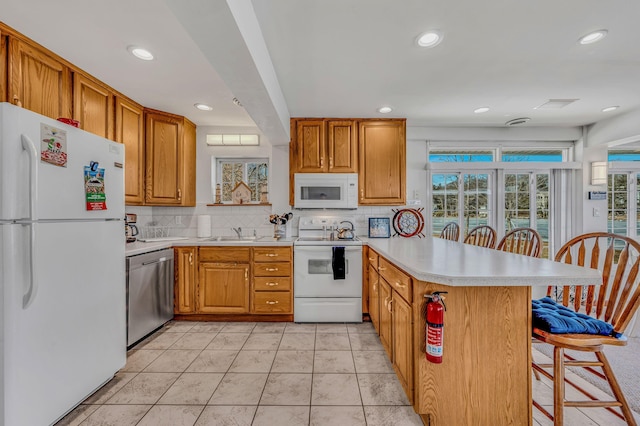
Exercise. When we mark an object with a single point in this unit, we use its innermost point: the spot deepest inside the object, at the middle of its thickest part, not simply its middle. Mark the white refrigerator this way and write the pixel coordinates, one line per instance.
(62, 264)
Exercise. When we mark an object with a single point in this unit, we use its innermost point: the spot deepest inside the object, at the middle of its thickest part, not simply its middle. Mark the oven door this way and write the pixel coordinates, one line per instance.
(313, 273)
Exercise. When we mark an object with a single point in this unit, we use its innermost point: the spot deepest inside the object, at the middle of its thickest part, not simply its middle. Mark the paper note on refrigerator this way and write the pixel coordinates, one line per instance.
(53, 143)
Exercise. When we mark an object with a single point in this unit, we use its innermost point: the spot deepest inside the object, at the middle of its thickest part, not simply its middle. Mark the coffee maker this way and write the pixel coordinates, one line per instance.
(130, 229)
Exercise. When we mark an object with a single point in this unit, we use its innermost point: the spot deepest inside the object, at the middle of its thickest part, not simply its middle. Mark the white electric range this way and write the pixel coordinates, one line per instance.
(327, 272)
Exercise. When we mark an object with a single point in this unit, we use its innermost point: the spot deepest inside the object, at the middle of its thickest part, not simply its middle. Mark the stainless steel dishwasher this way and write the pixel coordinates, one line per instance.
(149, 293)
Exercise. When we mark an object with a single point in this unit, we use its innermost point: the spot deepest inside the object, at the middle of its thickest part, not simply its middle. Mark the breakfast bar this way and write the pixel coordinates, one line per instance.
(485, 374)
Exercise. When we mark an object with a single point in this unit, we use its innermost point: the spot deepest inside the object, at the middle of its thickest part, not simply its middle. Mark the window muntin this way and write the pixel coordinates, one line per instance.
(617, 201)
(444, 196)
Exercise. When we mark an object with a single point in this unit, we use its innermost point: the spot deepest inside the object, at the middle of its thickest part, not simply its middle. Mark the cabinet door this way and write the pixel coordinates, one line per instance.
(402, 329)
(384, 292)
(374, 298)
(186, 262)
(223, 288)
(38, 81)
(310, 146)
(3, 66)
(382, 171)
(164, 154)
(93, 106)
(129, 119)
(342, 146)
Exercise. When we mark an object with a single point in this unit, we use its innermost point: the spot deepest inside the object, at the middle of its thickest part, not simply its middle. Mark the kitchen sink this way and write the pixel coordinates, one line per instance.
(235, 239)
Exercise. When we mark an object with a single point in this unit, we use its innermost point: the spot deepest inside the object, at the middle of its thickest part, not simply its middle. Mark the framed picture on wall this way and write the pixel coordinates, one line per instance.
(379, 227)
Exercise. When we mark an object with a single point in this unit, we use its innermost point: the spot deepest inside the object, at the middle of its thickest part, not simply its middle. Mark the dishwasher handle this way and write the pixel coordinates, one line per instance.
(162, 259)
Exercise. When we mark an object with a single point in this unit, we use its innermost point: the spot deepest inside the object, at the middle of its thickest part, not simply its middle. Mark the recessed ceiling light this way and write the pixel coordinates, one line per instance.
(592, 37)
(203, 107)
(610, 108)
(140, 53)
(385, 110)
(429, 39)
(481, 110)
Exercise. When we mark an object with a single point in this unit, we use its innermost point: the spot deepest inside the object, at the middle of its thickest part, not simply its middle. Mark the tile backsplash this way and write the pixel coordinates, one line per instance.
(183, 221)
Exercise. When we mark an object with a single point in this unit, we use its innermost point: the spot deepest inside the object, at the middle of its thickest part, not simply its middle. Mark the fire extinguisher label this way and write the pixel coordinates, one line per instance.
(434, 339)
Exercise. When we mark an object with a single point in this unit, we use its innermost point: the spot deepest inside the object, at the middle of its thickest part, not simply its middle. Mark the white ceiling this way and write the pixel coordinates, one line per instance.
(345, 58)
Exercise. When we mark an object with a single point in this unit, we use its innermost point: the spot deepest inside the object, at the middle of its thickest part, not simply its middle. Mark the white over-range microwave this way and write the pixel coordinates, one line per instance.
(326, 191)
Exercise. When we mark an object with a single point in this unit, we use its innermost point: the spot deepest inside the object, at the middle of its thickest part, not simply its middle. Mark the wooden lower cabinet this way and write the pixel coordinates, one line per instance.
(402, 331)
(223, 288)
(272, 286)
(385, 316)
(186, 267)
(374, 297)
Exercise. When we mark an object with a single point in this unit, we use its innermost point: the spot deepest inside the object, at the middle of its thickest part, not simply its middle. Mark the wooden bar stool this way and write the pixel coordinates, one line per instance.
(525, 241)
(481, 236)
(451, 232)
(615, 300)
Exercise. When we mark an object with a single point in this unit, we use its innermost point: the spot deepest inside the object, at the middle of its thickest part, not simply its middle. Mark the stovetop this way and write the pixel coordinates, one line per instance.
(317, 231)
(320, 241)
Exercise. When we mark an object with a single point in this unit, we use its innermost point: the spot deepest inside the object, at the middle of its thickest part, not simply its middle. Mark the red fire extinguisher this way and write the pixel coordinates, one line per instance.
(435, 326)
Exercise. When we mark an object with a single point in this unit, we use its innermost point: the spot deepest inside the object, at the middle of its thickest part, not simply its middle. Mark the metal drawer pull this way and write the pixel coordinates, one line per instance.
(382, 268)
(271, 254)
(399, 284)
(271, 269)
(272, 302)
(371, 259)
(272, 284)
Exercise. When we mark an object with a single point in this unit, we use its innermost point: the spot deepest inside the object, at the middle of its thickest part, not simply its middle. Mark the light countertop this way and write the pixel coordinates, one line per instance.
(138, 247)
(457, 264)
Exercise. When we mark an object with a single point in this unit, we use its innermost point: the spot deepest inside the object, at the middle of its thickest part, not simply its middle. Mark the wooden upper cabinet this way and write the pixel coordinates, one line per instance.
(382, 171)
(129, 120)
(325, 146)
(37, 81)
(170, 159)
(3, 66)
(93, 106)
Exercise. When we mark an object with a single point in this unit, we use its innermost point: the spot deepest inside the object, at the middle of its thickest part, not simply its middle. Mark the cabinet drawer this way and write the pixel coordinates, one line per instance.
(272, 302)
(226, 254)
(400, 281)
(272, 283)
(271, 254)
(373, 259)
(274, 269)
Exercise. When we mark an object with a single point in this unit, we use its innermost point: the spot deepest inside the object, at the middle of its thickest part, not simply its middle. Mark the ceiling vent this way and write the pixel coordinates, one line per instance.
(556, 103)
(517, 121)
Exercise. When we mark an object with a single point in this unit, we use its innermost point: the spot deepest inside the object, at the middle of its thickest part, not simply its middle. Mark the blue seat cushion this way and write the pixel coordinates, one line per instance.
(555, 318)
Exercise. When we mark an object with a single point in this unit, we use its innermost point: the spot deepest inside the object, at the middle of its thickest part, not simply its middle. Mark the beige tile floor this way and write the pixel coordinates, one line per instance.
(281, 374)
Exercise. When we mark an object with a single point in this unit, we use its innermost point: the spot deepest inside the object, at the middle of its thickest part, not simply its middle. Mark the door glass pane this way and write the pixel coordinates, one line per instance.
(617, 191)
(637, 204)
(444, 190)
(476, 201)
(516, 201)
(542, 211)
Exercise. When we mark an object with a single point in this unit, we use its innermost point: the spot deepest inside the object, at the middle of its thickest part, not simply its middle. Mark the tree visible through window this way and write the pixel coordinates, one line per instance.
(253, 172)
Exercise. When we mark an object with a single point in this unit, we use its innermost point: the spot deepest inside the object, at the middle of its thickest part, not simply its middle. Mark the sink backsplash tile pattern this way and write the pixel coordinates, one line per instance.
(183, 221)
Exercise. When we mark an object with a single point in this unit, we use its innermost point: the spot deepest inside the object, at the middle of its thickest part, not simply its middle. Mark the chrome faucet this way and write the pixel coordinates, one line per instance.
(238, 231)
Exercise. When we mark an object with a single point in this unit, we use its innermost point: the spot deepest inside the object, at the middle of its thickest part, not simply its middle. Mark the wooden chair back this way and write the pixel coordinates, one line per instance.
(482, 236)
(617, 298)
(451, 232)
(525, 241)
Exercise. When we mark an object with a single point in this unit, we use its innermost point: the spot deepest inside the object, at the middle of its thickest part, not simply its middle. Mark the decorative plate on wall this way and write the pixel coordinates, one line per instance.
(408, 222)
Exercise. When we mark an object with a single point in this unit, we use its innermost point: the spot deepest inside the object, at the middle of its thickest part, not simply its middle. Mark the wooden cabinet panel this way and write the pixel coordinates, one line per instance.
(129, 120)
(382, 170)
(402, 329)
(272, 302)
(186, 267)
(384, 292)
(310, 146)
(272, 283)
(374, 298)
(93, 106)
(37, 81)
(223, 288)
(169, 159)
(398, 280)
(342, 146)
(225, 254)
(271, 254)
(3, 66)
(274, 269)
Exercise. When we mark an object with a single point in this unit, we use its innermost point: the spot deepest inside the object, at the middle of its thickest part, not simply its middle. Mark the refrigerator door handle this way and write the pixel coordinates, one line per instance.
(29, 296)
(30, 147)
